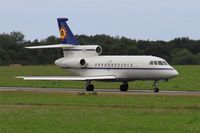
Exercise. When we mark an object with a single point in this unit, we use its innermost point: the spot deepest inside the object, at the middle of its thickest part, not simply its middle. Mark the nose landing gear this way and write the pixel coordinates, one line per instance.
(156, 89)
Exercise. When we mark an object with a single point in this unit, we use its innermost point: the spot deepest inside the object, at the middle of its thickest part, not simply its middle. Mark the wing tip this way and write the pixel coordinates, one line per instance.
(19, 77)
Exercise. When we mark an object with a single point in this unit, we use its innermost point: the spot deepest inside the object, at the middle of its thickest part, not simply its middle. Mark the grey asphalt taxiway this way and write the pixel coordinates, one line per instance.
(106, 91)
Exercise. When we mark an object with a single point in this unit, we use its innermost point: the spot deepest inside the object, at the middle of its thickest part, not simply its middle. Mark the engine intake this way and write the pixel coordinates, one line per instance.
(98, 50)
(83, 63)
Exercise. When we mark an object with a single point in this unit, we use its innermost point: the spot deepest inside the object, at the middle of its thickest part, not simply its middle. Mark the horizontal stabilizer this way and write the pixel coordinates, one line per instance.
(72, 78)
(51, 46)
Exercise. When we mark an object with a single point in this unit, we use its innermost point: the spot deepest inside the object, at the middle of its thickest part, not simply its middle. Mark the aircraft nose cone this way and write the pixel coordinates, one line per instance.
(175, 73)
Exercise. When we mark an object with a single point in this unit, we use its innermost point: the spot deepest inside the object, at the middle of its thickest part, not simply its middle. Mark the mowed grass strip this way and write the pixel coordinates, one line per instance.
(28, 112)
(188, 79)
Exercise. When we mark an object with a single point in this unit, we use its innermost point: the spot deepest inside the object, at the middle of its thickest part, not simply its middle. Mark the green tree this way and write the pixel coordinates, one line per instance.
(183, 57)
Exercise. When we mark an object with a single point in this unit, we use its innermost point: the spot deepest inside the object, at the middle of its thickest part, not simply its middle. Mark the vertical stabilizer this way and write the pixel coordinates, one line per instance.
(66, 35)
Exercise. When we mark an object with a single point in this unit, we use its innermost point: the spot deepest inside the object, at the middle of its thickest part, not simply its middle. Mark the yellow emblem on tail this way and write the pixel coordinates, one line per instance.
(63, 33)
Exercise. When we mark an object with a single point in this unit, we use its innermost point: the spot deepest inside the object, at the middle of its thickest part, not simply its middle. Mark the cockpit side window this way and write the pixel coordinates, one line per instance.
(160, 63)
(155, 63)
(151, 63)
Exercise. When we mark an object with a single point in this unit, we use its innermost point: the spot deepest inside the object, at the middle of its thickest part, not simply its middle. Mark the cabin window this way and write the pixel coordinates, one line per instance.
(124, 65)
(118, 65)
(155, 63)
(131, 65)
(96, 65)
(101, 64)
(160, 63)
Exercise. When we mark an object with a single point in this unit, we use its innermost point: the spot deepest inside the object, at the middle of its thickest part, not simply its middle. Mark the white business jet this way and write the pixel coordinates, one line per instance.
(85, 61)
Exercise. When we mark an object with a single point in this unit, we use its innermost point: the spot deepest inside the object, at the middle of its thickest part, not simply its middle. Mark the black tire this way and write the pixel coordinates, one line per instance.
(123, 88)
(90, 87)
(156, 90)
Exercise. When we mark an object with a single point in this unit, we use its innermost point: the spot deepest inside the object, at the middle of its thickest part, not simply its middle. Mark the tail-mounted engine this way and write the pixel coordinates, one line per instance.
(83, 63)
(71, 62)
(76, 56)
(83, 51)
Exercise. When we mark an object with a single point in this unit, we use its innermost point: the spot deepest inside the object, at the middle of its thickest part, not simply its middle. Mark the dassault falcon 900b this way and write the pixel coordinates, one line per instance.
(85, 61)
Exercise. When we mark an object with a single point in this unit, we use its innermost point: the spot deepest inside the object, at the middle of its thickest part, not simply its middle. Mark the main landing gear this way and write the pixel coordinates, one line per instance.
(124, 87)
(156, 89)
(89, 86)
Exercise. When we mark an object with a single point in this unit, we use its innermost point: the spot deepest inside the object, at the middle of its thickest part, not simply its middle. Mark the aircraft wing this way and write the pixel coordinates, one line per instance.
(72, 78)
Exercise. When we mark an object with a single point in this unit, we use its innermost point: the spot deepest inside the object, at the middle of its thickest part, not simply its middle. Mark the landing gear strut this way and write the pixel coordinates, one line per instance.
(156, 89)
(88, 86)
(124, 87)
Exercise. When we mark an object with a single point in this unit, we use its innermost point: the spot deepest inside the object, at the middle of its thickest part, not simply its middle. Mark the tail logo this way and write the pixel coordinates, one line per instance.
(63, 33)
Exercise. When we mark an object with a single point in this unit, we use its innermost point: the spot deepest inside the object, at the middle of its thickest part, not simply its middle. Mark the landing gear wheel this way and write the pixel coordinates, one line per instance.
(90, 87)
(124, 87)
(156, 90)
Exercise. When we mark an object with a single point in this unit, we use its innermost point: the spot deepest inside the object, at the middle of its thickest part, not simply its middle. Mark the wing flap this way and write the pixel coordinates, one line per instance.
(72, 78)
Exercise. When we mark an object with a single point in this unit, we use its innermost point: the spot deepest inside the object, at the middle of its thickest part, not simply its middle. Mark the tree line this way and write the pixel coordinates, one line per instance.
(179, 51)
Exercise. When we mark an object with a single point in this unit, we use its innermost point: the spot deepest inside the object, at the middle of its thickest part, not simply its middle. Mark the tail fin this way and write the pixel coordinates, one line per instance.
(67, 36)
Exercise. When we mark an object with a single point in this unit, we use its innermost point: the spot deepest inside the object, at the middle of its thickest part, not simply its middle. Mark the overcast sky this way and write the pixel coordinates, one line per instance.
(136, 19)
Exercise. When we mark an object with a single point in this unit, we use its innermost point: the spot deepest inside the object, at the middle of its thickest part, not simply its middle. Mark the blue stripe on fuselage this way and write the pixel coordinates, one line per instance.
(121, 68)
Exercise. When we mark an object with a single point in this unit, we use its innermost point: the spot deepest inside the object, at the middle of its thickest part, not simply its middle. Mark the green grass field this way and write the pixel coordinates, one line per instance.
(28, 112)
(37, 112)
(188, 79)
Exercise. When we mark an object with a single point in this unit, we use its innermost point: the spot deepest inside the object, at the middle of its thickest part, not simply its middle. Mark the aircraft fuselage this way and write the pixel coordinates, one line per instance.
(124, 68)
